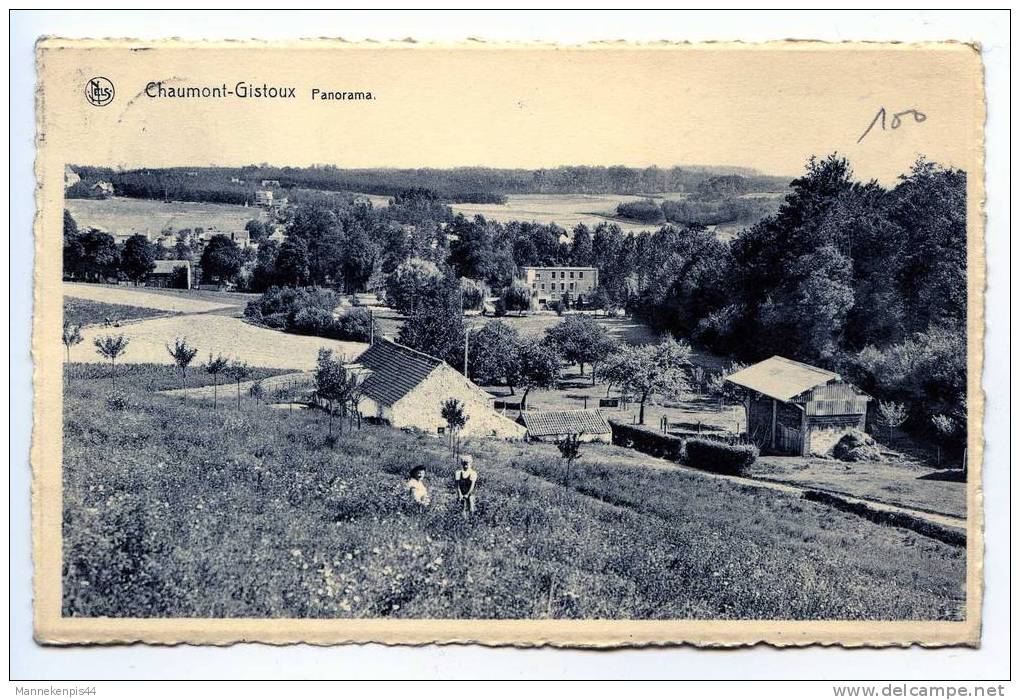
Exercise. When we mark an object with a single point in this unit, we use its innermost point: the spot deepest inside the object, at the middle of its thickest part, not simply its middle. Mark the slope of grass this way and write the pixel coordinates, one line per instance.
(171, 509)
(142, 378)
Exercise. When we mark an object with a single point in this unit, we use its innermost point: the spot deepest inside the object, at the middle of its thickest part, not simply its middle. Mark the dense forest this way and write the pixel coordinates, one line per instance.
(483, 185)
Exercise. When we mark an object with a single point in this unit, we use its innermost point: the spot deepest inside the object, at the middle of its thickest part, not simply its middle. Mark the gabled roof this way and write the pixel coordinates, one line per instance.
(395, 370)
(541, 423)
(780, 378)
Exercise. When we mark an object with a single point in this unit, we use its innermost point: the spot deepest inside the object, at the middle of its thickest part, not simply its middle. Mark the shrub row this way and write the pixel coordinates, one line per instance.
(646, 440)
(716, 456)
(709, 452)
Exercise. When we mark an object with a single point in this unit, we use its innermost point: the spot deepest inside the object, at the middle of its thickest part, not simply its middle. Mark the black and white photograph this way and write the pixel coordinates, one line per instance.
(325, 358)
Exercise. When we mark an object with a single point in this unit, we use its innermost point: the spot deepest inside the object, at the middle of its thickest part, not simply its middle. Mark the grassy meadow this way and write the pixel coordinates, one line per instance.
(126, 215)
(172, 509)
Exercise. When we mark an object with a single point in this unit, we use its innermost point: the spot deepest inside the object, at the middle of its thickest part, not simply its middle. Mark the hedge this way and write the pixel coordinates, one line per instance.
(647, 440)
(716, 456)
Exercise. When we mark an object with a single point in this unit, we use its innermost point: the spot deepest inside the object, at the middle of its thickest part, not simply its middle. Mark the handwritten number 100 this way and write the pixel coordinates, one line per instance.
(895, 122)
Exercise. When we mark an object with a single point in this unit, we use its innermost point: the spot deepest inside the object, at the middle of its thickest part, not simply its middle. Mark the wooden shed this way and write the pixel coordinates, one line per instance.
(797, 409)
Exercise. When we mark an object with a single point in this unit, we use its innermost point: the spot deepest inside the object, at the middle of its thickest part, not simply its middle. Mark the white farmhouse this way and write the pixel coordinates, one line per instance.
(406, 389)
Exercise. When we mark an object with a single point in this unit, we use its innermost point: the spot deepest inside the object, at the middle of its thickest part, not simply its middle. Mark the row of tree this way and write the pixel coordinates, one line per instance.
(94, 256)
(473, 184)
(867, 280)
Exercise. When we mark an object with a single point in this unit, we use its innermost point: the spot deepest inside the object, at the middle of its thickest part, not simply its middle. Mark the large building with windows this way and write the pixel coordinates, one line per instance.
(549, 284)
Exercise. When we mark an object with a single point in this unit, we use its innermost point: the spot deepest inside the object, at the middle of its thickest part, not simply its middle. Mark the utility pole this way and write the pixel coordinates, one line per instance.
(371, 326)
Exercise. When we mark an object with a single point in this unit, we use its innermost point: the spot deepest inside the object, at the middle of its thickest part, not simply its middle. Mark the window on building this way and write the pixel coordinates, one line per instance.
(571, 286)
(534, 285)
(563, 275)
(543, 286)
(580, 275)
(562, 286)
(571, 274)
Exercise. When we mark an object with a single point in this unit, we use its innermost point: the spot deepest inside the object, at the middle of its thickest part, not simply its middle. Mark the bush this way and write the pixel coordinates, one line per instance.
(646, 211)
(356, 325)
(117, 402)
(648, 441)
(277, 321)
(288, 300)
(715, 456)
(312, 321)
(310, 312)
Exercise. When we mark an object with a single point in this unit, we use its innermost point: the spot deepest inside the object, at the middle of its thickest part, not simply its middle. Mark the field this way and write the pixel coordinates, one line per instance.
(126, 215)
(213, 333)
(81, 312)
(172, 509)
(565, 210)
(177, 301)
(212, 326)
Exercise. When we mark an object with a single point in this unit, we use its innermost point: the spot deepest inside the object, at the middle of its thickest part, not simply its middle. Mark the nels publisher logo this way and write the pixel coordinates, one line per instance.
(99, 91)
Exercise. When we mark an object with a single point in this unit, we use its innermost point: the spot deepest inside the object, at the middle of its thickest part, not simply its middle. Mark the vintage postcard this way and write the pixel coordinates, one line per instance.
(599, 345)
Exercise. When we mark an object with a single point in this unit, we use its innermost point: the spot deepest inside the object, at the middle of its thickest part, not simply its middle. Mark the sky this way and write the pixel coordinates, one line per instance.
(764, 107)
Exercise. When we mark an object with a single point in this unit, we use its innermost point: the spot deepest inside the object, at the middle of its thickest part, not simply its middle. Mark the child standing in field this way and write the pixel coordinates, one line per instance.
(466, 479)
(416, 487)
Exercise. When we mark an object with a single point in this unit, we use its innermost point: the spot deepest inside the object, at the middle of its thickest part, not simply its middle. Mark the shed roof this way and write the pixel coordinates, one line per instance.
(590, 422)
(780, 378)
(395, 370)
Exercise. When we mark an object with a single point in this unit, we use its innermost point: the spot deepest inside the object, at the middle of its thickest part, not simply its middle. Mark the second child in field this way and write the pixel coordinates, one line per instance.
(466, 479)
(416, 488)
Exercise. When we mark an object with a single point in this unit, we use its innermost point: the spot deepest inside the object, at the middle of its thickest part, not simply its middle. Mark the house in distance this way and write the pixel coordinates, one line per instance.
(406, 389)
(796, 409)
(550, 284)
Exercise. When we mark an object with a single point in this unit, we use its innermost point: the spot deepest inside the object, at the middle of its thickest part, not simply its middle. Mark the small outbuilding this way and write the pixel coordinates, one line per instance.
(551, 426)
(175, 274)
(796, 409)
(406, 389)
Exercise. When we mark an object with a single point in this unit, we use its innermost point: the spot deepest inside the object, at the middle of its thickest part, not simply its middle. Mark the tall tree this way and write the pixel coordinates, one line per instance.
(221, 259)
(437, 328)
(537, 366)
(582, 340)
(292, 267)
(138, 258)
(491, 353)
(581, 247)
(647, 370)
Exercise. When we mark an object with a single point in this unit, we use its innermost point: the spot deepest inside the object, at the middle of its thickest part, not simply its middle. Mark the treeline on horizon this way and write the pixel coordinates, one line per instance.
(464, 184)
